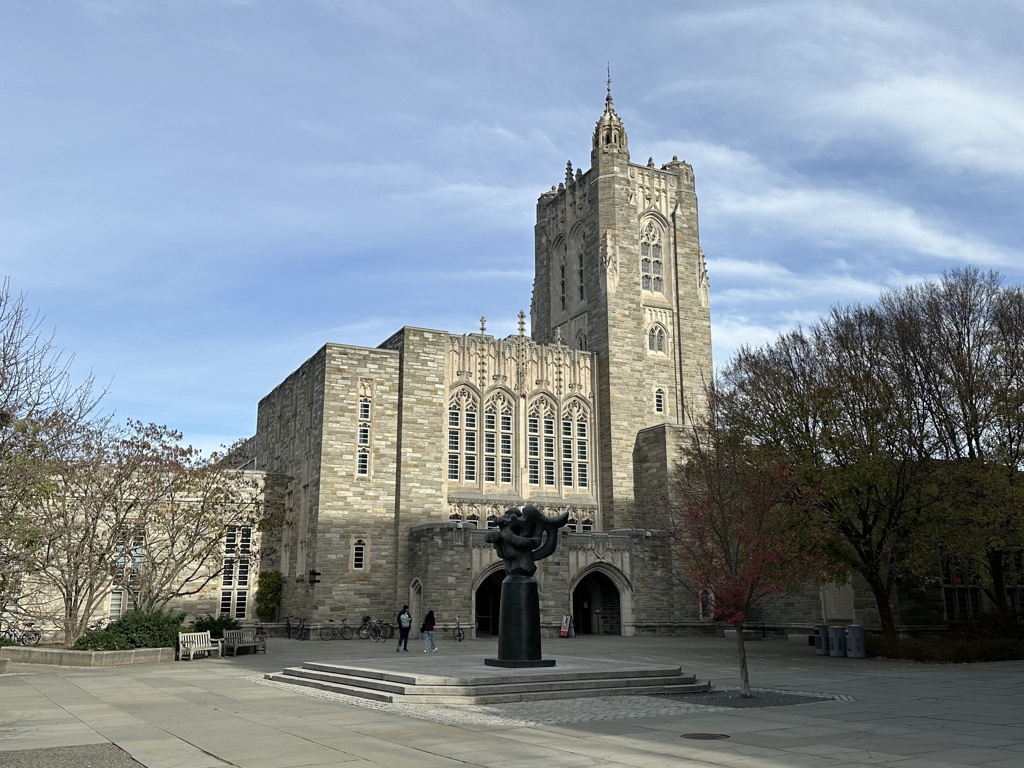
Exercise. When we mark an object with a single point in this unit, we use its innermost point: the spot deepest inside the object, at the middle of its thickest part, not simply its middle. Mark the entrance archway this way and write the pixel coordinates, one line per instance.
(488, 604)
(597, 606)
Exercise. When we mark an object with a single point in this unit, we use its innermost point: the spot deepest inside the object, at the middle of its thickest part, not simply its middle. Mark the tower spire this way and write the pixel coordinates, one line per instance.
(609, 135)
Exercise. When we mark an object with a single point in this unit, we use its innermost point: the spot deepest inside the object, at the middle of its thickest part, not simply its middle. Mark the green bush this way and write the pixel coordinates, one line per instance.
(268, 595)
(946, 650)
(158, 629)
(215, 625)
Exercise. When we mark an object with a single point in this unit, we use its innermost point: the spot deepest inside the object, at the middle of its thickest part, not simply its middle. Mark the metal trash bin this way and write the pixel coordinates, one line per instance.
(837, 641)
(821, 640)
(855, 648)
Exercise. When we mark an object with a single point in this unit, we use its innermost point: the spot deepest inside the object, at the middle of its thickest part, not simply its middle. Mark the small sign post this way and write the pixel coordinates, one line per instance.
(567, 628)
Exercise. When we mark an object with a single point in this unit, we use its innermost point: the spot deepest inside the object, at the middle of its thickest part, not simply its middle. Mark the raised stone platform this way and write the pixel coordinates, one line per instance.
(429, 679)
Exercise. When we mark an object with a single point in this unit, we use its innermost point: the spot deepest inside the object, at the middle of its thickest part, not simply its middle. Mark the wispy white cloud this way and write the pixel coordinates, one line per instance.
(950, 124)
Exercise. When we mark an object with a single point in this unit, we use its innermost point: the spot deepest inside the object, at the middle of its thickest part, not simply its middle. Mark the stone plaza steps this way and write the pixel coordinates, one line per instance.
(464, 680)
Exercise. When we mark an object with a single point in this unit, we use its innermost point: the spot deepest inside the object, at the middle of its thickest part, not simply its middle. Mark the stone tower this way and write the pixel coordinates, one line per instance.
(619, 272)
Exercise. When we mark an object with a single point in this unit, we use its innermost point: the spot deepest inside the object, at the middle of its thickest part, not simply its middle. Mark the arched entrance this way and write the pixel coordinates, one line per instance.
(597, 606)
(488, 603)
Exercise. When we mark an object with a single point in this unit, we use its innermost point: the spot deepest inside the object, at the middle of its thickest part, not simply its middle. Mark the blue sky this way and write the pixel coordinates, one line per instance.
(198, 194)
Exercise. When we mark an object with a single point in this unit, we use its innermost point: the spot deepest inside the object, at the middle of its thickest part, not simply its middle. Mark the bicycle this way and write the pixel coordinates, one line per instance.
(26, 636)
(378, 630)
(457, 632)
(332, 631)
(300, 630)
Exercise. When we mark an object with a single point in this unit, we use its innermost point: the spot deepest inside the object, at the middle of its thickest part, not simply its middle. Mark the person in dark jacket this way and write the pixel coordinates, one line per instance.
(404, 622)
(428, 633)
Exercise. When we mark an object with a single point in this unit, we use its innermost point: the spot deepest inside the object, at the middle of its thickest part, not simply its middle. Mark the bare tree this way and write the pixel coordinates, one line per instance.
(43, 413)
(135, 508)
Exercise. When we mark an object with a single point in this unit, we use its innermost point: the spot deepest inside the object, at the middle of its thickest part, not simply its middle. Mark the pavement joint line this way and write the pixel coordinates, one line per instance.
(570, 710)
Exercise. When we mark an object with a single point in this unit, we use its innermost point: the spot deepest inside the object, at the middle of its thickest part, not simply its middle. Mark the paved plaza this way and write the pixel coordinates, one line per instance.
(213, 713)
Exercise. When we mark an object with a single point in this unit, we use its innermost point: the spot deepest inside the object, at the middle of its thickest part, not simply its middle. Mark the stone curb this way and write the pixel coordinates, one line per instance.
(64, 658)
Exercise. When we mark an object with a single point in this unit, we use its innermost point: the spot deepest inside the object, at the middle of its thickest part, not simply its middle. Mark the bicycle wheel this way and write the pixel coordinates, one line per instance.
(377, 634)
(364, 632)
(326, 633)
(459, 634)
(389, 631)
(346, 633)
(31, 637)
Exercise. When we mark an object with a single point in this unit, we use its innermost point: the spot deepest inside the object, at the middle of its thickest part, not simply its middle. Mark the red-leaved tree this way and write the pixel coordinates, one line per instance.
(735, 524)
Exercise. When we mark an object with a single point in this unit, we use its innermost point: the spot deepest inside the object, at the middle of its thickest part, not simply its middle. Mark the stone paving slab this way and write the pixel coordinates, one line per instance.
(214, 712)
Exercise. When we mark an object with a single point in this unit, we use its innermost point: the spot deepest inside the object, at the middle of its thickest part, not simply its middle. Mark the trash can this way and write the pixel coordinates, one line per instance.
(837, 641)
(821, 640)
(855, 648)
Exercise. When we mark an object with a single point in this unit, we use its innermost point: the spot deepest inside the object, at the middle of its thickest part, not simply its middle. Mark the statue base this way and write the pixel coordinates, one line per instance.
(519, 664)
(519, 625)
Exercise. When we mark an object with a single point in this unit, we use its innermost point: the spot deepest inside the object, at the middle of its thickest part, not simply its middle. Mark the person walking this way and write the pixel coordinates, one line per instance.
(404, 625)
(428, 633)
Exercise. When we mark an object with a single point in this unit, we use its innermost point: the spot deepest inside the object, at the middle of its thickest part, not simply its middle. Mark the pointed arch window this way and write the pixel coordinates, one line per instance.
(579, 273)
(540, 444)
(656, 339)
(651, 265)
(498, 441)
(462, 437)
(575, 453)
(363, 427)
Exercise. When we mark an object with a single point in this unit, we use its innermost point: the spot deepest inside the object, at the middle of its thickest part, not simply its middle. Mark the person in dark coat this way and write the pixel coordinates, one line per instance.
(428, 633)
(404, 622)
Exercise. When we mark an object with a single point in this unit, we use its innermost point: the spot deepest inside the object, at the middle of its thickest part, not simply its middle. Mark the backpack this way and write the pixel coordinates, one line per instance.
(405, 620)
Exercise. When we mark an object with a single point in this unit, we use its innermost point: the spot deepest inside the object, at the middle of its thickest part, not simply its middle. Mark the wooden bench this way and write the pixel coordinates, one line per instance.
(191, 643)
(243, 638)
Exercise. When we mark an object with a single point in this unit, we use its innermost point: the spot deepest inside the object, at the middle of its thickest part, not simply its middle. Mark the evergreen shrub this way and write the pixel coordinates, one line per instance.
(157, 629)
(215, 625)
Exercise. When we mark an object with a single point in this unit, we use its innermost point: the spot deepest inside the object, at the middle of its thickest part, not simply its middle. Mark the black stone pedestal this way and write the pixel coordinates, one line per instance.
(519, 625)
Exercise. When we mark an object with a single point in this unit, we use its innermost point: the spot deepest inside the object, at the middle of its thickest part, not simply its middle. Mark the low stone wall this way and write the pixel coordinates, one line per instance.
(65, 658)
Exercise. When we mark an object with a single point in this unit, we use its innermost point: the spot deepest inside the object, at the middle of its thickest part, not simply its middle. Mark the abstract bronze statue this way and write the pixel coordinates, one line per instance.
(521, 539)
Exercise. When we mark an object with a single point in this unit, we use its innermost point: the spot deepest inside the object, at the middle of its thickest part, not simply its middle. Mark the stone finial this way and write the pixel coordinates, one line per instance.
(650, 162)
(558, 336)
(568, 173)
(522, 323)
(483, 325)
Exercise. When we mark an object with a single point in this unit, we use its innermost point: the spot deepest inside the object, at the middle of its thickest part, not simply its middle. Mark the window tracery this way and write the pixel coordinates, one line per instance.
(498, 440)
(651, 265)
(462, 436)
(540, 443)
(656, 339)
(575, 446)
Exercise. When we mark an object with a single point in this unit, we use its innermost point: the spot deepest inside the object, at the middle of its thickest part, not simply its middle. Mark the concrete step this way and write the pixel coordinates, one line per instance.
(483, 685)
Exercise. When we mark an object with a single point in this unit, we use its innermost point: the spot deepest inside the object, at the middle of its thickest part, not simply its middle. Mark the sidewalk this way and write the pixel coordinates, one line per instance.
(216, 712)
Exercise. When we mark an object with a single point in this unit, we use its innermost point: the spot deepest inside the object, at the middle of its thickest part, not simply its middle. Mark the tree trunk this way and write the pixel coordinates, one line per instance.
(996, 568)
(881, 593)
(744, 674)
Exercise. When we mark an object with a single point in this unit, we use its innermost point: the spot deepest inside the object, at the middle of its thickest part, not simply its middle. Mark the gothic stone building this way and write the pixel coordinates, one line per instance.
(399, 456)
